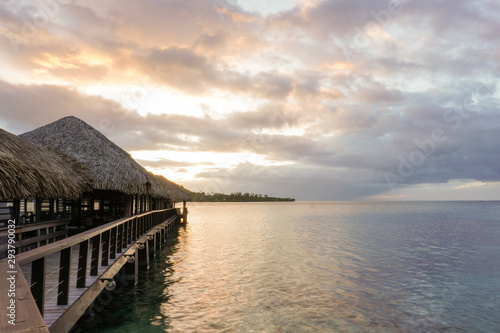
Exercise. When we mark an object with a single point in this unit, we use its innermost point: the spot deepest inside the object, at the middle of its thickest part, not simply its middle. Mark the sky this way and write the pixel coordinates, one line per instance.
(311, 99)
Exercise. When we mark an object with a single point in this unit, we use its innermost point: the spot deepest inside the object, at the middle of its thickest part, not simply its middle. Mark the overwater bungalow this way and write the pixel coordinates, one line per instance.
(120, 188)
(119, 214)
(37, 185)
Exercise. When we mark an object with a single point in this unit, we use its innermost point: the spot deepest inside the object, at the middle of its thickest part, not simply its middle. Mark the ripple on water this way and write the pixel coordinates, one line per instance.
(322, 267)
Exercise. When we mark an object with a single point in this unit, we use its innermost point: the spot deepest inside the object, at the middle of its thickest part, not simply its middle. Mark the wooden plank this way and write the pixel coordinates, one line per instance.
(83, 253)
(118, 240)
(158, 239)
(34, 226)
(124, 235)
(112, 243)
(40, 238)
(27, 317)
(64, 274)
(68, 319)
(94, 261)
(105, 248)
(38, 283)
(20, 243)
(52, 311)
(151, 246)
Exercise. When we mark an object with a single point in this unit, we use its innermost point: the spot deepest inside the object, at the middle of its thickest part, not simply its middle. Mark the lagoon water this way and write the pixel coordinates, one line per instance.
(321, 267)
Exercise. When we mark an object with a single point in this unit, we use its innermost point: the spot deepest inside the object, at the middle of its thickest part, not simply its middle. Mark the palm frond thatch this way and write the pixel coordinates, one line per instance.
(111, 167)
(28, 171)
(162, 185)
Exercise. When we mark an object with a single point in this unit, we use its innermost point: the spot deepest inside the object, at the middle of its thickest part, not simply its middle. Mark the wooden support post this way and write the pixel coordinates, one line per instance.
(143, 256)
(64, 274)
(81, 279)
(152, 247)
(132, 269)
(112, 244)
(94, 261)
(105, 248)
(184, 212)
(38, 282)
(158, 238)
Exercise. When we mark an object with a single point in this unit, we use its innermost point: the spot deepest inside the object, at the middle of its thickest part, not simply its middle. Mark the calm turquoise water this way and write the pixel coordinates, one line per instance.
(321, 267)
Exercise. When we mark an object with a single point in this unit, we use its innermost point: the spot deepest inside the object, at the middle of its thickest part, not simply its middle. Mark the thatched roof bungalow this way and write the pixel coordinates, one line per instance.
(111, 167)
(36, 185)
(28, 171)
(117, 177)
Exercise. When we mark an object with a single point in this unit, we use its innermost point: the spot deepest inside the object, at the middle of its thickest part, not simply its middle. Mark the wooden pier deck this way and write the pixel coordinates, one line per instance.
(52, 311)
(56, 283)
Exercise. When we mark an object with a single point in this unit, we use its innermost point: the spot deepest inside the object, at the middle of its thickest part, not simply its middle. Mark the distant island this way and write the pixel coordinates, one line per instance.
(233, 197)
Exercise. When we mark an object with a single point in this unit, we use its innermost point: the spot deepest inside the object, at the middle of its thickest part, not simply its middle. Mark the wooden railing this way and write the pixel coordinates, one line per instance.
(116, 240)
(46, 232)
(113, 237)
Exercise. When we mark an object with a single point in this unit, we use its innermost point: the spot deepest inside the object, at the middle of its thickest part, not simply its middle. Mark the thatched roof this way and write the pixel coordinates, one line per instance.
(165, 186)
(28, 171)
(111, 167)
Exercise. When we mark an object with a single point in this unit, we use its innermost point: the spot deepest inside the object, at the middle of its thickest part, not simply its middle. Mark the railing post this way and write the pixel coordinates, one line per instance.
(136, 228)
(64, 274)
(129, 232)
(94, 261)
(124, 234)
(105, 248)
(38, 282)
(118, 240)
(133, 227)
(112, 243)
(83, 254)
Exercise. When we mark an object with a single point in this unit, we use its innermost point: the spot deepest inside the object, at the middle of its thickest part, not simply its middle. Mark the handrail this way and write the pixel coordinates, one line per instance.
(34, 226)
(107, 242)
(32, 255)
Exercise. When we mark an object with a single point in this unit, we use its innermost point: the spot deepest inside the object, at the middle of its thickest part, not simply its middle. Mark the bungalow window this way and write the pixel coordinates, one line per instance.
(87, 203)
(97, 205)
(45, 213)
(6, 212)
(27, 211)
(60, 209)
(106, 207)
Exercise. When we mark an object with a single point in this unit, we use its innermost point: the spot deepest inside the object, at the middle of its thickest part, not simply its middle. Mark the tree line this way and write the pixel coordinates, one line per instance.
(235, 197)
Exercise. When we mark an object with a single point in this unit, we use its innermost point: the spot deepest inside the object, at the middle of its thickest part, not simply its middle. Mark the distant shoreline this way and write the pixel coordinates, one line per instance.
(236, 197)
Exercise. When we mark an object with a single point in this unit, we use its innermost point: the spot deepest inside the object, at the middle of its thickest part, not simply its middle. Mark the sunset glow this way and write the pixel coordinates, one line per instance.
(317, 100)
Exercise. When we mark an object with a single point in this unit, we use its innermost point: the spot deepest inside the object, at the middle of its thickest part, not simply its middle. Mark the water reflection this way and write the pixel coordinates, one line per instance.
(293, 267)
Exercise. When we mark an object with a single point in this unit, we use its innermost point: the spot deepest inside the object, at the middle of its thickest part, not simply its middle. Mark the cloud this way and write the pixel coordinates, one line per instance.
(334, 93)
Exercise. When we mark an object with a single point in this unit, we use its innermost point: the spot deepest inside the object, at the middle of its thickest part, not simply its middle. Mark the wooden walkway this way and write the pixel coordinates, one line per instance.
(52, 311)
(54, 273)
